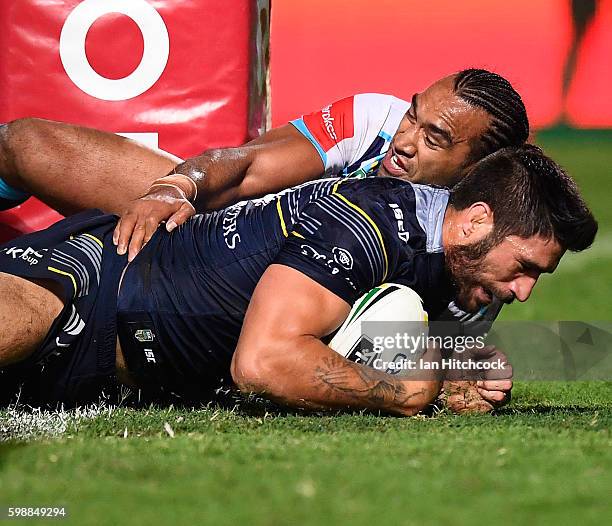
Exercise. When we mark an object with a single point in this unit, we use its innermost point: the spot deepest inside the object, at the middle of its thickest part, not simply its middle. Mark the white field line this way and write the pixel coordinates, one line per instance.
(18, 423)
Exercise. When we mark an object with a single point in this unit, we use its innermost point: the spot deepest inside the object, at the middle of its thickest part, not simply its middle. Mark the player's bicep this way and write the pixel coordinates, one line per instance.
(282, 158)
(286, 304)
(286, 311)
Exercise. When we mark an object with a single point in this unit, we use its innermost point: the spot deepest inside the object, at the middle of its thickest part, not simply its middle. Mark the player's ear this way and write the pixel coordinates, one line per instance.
(478, 221)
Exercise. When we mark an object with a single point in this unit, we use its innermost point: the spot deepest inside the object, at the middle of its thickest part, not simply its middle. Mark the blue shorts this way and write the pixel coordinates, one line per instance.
(76, 362)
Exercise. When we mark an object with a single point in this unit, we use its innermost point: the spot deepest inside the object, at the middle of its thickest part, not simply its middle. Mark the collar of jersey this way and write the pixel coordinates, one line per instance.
(431, 203)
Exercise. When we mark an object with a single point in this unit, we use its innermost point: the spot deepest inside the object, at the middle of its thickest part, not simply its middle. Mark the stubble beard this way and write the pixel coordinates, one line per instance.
(466, 266)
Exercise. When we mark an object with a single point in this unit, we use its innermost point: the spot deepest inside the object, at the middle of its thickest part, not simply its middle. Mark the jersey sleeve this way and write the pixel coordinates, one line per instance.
(455, 320)
(350, 129)
(338, 245)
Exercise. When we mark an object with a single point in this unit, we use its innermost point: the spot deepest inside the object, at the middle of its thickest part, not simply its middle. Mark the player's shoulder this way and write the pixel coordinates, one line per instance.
(375, 189)
(378, 101)
(361, 109)
(401, 208)
(377, 198)
(379, 107)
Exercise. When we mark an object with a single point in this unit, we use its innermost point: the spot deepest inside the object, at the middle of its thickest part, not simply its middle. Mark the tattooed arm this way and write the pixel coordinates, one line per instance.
(279, 353)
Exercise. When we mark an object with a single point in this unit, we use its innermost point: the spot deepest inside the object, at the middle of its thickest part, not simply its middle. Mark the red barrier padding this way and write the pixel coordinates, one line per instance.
(28, 217)
(323, 51)
(188, 74)
(67, 60)
(589, 100)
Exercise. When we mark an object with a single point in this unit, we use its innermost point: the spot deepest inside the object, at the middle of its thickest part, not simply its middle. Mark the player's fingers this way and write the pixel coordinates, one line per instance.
(126, 227)
(495, 385)
(502, 372)
(484, 352)
(180, 216)
(151, 225)
(116, 232)
(138, 235)
(494, 397)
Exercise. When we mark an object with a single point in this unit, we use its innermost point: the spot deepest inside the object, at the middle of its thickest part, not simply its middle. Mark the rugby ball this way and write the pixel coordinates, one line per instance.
(386, 327)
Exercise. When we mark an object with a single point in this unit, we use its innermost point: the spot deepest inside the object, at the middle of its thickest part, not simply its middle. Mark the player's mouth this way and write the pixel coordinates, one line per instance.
(394, 165)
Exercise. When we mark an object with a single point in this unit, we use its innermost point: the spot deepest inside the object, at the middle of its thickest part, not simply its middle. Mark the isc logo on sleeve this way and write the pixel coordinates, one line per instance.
(402, 233)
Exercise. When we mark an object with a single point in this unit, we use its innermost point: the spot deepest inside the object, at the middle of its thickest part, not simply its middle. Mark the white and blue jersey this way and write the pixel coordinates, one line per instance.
(353, 134)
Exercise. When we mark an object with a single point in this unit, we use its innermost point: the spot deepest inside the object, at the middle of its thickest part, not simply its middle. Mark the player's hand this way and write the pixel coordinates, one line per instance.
(462, 396)
(496, 385)
(492, 390)
(143, 216)
(496, 392)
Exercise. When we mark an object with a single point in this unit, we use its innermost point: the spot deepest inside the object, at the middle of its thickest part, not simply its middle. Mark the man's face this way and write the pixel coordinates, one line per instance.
(508, 270)
(435, 137)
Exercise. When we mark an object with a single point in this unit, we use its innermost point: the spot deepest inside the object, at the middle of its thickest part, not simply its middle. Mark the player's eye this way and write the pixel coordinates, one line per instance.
(430, 143)
(411, 115)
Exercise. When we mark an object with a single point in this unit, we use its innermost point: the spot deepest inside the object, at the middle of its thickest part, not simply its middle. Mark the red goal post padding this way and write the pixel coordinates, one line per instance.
(184, 76)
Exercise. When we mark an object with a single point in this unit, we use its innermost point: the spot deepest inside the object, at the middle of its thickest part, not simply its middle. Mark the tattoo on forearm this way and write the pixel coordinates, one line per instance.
(342, 379)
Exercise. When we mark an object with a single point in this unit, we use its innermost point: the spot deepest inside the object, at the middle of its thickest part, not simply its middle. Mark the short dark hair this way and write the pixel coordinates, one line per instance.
(493, 93)
(530, 194)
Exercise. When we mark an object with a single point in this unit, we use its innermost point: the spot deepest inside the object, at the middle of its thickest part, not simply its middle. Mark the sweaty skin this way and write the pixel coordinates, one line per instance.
(279, 159)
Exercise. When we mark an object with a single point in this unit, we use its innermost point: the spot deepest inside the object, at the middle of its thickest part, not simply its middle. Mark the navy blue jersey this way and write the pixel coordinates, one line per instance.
(183, 299)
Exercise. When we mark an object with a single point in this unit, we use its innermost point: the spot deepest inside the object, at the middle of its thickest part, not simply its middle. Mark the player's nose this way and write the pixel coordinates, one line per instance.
(405, 142)
(522, 287)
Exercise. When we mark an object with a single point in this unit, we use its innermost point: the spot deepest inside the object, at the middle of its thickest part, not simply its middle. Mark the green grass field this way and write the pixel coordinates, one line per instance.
(544, 459)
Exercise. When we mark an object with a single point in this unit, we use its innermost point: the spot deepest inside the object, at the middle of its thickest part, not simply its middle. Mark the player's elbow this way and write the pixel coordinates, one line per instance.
(254, 370)
(246, 373)
(423, 394)
(431, 390)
